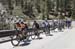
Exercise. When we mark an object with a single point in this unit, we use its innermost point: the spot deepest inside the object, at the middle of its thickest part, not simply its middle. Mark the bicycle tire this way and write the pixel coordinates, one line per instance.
(16, 39)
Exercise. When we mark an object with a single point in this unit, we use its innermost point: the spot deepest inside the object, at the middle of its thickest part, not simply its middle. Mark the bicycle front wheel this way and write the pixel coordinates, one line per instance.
(15, 40)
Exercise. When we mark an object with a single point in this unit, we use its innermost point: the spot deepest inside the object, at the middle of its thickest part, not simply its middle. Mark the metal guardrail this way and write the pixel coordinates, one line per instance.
(5, 33)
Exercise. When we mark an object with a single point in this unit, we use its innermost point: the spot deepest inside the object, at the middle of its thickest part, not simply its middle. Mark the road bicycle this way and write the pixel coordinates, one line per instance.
(18, 37)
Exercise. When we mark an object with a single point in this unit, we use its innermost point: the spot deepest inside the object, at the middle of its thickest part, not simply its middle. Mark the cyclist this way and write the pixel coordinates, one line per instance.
(60, 24)
(68, 22)
(46, 27)
(36, 28)
(22, 28)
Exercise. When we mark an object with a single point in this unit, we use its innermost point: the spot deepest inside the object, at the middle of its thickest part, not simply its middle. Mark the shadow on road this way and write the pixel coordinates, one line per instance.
(25, 43)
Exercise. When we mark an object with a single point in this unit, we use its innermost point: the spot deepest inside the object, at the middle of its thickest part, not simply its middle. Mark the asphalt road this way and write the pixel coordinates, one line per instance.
(59, 40)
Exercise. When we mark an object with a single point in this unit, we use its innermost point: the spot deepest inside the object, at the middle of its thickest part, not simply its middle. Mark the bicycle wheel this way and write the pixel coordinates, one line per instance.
(33, 35)
(15, 40)
(47, 33)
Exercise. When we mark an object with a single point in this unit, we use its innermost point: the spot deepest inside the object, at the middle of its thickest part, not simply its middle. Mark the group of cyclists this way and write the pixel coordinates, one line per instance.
(46, 26)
